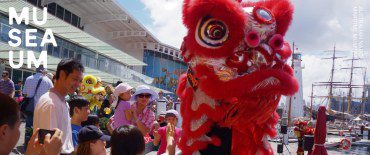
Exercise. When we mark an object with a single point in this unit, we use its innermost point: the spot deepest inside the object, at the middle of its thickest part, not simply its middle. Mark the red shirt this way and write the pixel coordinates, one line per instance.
(162, 132)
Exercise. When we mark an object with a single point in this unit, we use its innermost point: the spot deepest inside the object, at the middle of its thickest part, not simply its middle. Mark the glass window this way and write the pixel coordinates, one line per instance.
(65, 53)
(17, 75)
(52, 8)
(101, 64)
(56, 53)
(71, 54)
(38, 42)
(34, 2)
(4, 33)
(72, 47)
(83, 59)
(60, 12)
(65, 44)
(20, 36)
(92, 62)
(78, 22)
(56, 49)
(23, 35)
(79, 57)
(39, 4)
(67, 16)
(74, 20)
(50, 49)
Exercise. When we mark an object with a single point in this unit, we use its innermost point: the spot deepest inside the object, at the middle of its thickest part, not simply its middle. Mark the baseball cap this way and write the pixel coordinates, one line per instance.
(91, 132)
(121, 88)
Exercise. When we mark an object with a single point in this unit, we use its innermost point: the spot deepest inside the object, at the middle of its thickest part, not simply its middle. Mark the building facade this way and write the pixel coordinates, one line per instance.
(165, 69)
(109, 42)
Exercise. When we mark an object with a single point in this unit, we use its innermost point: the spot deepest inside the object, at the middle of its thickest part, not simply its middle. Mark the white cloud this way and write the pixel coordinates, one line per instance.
(334, 24)
(317, 26)
(167, 17)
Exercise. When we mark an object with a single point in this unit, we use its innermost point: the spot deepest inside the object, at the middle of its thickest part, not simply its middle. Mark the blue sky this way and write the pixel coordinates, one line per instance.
(137, 9)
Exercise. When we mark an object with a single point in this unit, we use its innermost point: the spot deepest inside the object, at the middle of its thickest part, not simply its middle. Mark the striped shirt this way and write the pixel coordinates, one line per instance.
(6, 86)
(31, 83)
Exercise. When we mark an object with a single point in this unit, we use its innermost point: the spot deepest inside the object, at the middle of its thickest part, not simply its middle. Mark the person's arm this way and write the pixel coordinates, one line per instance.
(13, 91)
(34, 147)
(144, 130)
(157, 136)
(12, 94)
(109, 125)
(51, 146)
(128, 114)
(170, 138)
(111, 98)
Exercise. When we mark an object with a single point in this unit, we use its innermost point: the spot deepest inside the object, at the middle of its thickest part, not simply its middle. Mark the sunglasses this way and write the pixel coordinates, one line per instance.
(144, 95)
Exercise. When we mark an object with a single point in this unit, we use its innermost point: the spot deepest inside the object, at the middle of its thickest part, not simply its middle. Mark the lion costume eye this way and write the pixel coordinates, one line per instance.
(211, 33)
(263, 15)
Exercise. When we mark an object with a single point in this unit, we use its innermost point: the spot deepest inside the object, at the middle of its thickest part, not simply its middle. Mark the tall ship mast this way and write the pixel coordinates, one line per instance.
(331, 97)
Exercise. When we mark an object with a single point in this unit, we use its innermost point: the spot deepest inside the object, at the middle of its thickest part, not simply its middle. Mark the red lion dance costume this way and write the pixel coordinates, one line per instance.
(237, 74)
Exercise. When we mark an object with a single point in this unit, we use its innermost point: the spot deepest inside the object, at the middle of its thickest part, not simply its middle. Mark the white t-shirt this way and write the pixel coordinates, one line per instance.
(52, 111)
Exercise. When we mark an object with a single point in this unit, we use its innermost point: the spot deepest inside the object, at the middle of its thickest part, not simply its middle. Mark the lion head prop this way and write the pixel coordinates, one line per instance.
(237, 73)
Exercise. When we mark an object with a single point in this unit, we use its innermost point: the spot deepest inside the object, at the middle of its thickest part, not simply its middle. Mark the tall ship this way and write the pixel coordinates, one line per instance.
(345, 99)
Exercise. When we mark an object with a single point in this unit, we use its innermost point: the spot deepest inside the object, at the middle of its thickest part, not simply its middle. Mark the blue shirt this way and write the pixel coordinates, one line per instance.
(31, 84)
(18, 90)
(75, 130)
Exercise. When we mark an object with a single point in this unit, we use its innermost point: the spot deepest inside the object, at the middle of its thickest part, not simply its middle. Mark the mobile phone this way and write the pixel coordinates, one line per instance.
(43, 133)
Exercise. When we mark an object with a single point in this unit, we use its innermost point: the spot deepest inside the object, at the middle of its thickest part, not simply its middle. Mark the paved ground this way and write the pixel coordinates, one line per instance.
(19, 148)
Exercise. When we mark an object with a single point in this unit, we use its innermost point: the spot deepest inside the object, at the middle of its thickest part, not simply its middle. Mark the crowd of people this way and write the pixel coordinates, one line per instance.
(59, 120)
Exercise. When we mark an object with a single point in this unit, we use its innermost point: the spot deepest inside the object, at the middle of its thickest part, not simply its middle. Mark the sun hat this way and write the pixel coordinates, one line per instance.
(121, 88)
(91, 132)
(172, 113)
(144, 89)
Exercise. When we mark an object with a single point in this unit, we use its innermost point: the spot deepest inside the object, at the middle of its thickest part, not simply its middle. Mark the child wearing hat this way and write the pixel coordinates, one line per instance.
(122, 110)
(171, 117)
(91, 141)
